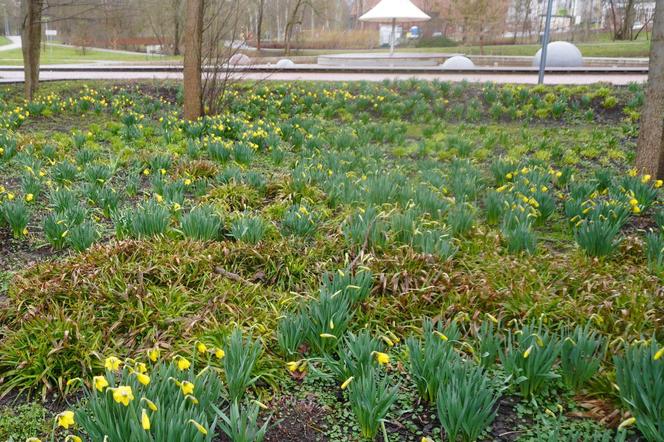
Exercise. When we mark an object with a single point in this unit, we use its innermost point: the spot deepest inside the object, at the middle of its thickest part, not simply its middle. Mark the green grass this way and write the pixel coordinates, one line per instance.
(67, 55)
(4, 40)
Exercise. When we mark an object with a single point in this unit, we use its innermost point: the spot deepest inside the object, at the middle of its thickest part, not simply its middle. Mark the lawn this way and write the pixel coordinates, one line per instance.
(67, 55)
(398, 261)
(4, 40)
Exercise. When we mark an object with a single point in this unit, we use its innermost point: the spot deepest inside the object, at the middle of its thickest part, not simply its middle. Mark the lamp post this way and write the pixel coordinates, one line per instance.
(545, 41)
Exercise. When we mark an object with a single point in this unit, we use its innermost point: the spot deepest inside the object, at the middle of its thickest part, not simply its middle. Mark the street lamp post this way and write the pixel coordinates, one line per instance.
(545, 41)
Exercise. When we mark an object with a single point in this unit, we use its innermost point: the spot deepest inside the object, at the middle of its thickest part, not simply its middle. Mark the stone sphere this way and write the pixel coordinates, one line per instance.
(560, 54)
(285, 63)
(239, 60)
(458, 62)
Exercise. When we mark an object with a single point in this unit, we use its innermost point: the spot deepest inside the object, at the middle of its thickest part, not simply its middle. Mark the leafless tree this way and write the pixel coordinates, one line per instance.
(650, 151)
(193, 47)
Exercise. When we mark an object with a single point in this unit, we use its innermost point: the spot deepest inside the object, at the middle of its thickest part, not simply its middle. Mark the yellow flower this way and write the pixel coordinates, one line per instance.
(632, 172)
(143, 378)
(645, 178)
(442, 336)
(25, 231)
(292, 366)
(183, 363)
(492, 318)
(219, 353)
(658, 184)
(151, 405)
(153, 354)
(162, 171)
(187, 182)
(10, 196)
(346, 383)
(100, 382)
(633, 202)
(659, 354)
(66, 419)
(146, 171)
(199, 427)
(112, 363)
(327, 336)
(29, 197)
(158, 197)
(527, 352)
(141, 368)
(31, 439)
(123, 395)
(202, 348)
(187, 387)
(145, 420)
(627, 423)
(382, 358)
(636, 209)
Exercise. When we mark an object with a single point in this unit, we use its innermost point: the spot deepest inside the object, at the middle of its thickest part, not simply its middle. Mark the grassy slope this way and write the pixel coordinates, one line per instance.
(64, 55)
(4, 40)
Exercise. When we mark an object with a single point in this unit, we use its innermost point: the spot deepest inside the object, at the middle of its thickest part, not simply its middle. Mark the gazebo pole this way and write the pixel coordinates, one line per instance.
(393, 36)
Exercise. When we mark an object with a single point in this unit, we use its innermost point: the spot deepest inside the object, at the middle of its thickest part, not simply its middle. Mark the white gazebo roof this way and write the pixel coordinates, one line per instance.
(399, 10)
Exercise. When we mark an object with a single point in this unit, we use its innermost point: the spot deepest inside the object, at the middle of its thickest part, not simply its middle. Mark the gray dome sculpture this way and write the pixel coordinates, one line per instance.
(458, 62)
(285, 63)
(560, 54)
(239, 60)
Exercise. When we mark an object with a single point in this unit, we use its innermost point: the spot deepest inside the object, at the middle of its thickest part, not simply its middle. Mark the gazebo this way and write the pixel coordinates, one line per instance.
(393, 11)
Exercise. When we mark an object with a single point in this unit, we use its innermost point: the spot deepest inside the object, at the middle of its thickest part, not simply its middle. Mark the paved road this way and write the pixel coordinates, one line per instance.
(522, 78)
(15, 43)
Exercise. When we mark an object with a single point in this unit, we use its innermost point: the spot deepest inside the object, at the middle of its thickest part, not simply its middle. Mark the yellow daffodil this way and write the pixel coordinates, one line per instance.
(183, 363)
(10, 196)
(659, 354)
(645, 178)
(382, 358)
(636, 210)
(66, 419)
(492, 318)
(29, 197)
(25, 232)
(123, 395)
(201, 429)
(633, 202)
(187, 182)
(187, 387)
(145, 420)
(151, 405)
(527, 352)
(33, 439)
(659, 184)
(141, 367)
(219, 353)
(112, 363)
(327, 336)
(100, 382)
(627, 423)
(143, 378)
(388, 341)
(632, 172)
(202, 348)
(153, 354)
(146, 172)
(441, 336)
(292, 366)
(346, 383)
(158, 197)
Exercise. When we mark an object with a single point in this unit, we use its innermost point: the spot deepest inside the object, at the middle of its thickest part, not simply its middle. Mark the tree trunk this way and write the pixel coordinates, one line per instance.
(259, 24)
(650, 151)
(31, 34)
(193, 49)
(176, 27)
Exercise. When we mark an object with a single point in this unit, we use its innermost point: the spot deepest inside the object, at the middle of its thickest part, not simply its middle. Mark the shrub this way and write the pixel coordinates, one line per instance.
(241, 424)
(249, 229)
(201, 224)
(169, 403)
(148, 220)
(466, 403)
(640, 377)
(371, 395)
(299, 221)
(655, 252)
(17, 216)
(581, 353)
(354, 356)
(428, 357)
(327, 319)
(240, 358)
(529, 357)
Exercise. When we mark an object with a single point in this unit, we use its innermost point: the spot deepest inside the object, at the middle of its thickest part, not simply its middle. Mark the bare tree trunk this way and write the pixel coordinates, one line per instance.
(31, 34)
(193, 49)
(176, 27)
(259, 23)
(650, 151)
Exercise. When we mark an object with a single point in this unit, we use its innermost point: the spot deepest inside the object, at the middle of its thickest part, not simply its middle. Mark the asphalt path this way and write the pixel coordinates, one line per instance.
(80, 73)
